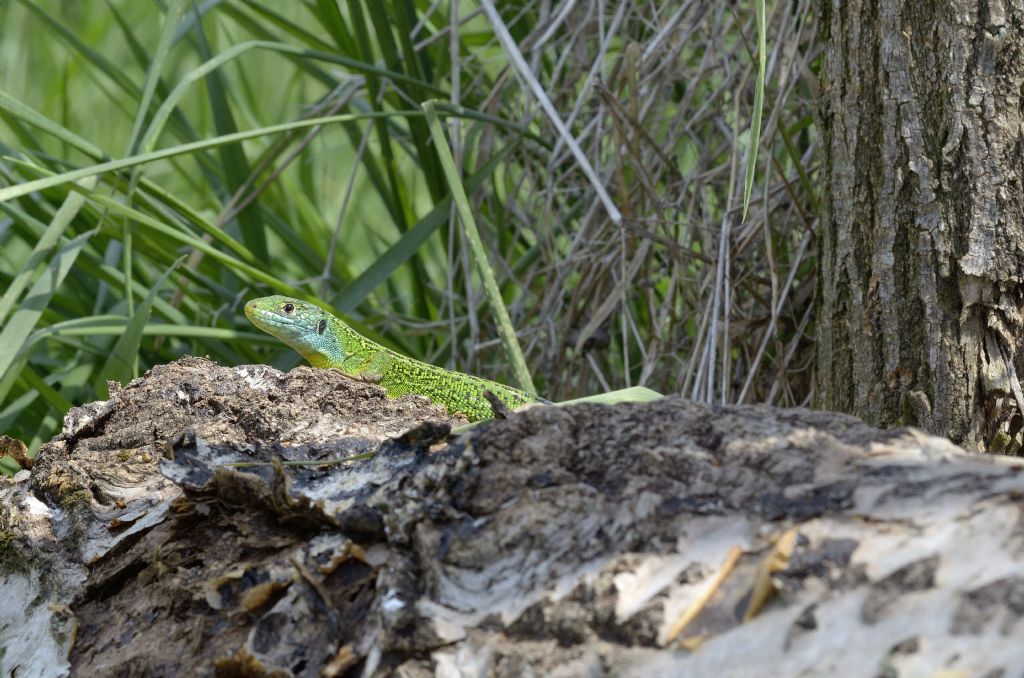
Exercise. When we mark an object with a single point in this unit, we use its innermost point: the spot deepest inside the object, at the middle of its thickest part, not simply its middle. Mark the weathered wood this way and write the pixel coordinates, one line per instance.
(590, 540)
(920, 267)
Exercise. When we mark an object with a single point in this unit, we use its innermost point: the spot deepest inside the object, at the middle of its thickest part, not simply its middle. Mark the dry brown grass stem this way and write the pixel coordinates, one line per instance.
(680, 296)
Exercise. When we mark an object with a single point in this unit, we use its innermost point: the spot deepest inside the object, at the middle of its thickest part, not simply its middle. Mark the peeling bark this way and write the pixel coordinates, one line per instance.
(645, 539)
(920, 265)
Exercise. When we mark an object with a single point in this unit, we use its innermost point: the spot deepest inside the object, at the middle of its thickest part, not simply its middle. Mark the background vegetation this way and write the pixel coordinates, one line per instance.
(154, 257)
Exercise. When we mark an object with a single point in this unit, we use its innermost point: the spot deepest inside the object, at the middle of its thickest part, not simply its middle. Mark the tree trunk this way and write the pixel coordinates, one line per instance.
(921, 242)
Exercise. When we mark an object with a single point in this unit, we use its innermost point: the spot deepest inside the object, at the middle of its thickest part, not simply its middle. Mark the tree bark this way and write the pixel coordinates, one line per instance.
(922, 231)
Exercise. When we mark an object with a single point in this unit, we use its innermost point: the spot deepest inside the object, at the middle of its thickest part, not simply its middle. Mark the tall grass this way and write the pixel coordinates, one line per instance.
(162, 163)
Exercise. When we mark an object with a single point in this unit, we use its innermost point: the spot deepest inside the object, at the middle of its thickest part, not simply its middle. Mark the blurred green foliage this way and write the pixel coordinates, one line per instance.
(255, 147)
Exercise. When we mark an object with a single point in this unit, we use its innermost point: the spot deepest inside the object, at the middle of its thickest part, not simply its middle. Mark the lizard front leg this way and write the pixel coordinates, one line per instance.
(357, 368)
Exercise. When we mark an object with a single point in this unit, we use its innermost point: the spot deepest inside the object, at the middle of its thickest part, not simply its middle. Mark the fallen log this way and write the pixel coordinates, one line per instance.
(171, 531)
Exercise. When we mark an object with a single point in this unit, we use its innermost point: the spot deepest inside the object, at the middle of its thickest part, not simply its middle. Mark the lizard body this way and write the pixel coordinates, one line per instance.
(326, 341)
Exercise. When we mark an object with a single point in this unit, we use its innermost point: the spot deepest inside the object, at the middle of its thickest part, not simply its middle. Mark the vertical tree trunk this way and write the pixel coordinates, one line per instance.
(922, 242)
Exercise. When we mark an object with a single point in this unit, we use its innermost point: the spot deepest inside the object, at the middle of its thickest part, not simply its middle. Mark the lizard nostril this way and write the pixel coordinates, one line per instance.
(288, 308)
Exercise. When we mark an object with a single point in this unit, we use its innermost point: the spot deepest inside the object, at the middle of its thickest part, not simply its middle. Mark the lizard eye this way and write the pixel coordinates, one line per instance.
(288, 308)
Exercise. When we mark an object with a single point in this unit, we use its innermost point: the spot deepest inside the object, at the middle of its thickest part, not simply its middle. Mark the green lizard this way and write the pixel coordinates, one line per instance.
(326, 341)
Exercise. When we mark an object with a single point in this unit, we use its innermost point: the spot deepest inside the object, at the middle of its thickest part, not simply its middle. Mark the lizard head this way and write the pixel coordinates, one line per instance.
(305, 327)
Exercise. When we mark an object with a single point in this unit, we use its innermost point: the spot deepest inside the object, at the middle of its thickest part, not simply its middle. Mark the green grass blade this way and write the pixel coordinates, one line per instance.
(513, 351)
(252, 272)
(84, 52)
(387, 18)
(168, 329)
(48, 393)
(121, 363)
(171, 21)
(11, 192)
(755, 125)
(61, 220)
(12, 377)
(282, 23)
(233, 159)
(174, 13)
(186, 82)
(24, 320)
(151, 197)
(805, 179)
(115, 325)
(396, 197)
(331, 19)
(8, 466)
(405, 248)
(634, 394)
(21, 111)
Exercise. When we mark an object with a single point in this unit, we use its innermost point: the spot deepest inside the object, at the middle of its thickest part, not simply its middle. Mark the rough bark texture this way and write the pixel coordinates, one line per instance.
(660, 539)
(923, 232)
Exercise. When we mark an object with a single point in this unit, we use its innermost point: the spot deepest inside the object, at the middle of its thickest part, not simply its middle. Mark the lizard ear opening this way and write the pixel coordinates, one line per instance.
(322, 326)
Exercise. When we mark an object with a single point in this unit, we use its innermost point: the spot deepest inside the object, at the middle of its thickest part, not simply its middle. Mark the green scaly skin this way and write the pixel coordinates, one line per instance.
(326, 341)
